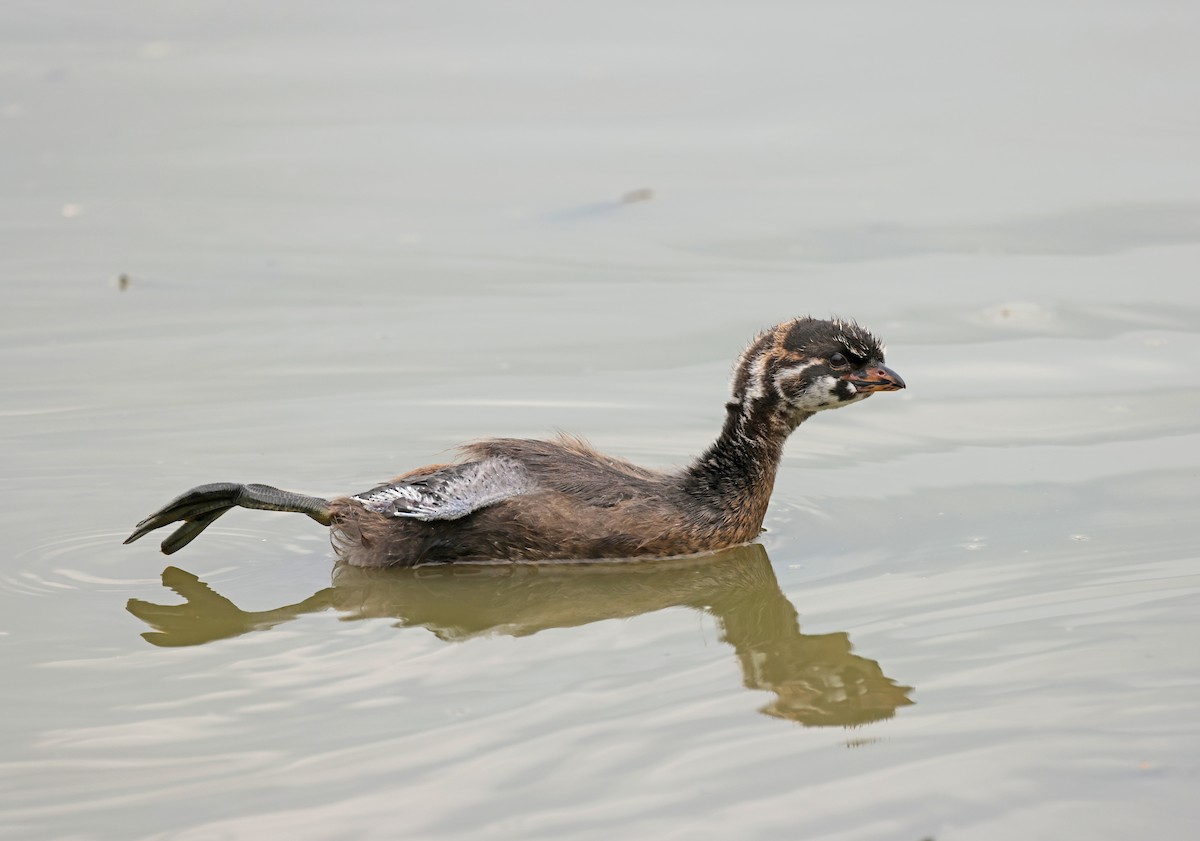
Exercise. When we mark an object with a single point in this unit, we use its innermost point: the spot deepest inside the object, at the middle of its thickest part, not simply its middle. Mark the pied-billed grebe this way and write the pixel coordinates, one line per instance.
(515, 499)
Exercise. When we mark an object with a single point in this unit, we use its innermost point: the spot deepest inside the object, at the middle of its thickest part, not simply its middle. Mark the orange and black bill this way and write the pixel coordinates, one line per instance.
(876, 378)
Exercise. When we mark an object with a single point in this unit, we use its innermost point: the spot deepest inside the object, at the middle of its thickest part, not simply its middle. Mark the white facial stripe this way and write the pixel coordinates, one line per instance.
(794, 371)
(756, 384)
(820, 394)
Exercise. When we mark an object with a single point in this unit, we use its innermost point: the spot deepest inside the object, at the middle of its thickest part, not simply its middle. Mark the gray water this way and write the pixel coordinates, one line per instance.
(352, 238)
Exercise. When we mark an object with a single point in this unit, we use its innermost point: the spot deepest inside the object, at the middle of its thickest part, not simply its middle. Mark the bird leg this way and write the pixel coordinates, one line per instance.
(198, 508)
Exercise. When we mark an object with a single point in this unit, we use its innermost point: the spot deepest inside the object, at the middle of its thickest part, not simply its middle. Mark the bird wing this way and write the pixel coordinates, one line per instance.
(451, 492)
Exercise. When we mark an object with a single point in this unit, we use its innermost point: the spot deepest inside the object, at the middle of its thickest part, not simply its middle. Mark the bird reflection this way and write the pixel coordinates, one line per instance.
(816, 679)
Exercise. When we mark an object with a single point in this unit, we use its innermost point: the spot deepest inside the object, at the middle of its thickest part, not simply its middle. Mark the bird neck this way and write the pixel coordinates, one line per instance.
(734, 477)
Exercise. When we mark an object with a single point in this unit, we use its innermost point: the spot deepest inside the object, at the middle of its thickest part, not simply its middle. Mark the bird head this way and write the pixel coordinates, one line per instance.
(808, 365)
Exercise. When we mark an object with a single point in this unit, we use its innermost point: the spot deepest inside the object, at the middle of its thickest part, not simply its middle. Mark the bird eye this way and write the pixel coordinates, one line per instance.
(837, 361)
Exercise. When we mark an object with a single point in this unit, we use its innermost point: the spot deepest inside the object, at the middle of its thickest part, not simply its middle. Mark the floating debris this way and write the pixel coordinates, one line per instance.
(600, 209)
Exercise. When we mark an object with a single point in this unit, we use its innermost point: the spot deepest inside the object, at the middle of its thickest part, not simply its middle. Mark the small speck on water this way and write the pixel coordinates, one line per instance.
(1080, 537)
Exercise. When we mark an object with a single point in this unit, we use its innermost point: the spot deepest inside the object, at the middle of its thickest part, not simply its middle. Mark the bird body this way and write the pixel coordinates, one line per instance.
(511, 499)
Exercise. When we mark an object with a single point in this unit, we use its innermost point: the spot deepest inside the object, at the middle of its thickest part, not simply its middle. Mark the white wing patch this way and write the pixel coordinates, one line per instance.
(452, 492)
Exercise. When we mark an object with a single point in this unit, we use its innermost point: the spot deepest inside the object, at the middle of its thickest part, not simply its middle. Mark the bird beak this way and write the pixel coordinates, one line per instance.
(874, 378)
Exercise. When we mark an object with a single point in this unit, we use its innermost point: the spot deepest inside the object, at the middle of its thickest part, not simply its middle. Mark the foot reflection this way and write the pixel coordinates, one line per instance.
(817, 680)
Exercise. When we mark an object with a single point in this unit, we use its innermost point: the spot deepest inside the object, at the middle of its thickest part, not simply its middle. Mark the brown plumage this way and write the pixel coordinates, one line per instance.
(513, 499)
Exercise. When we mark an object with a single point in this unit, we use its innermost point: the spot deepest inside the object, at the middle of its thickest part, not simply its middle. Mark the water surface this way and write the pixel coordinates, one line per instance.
(353, 239)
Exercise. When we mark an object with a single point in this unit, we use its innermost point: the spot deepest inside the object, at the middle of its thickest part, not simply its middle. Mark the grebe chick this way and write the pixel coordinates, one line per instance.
(515, 499)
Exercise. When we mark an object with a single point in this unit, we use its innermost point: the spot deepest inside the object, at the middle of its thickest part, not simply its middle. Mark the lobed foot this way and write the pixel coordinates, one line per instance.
(198, 508)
